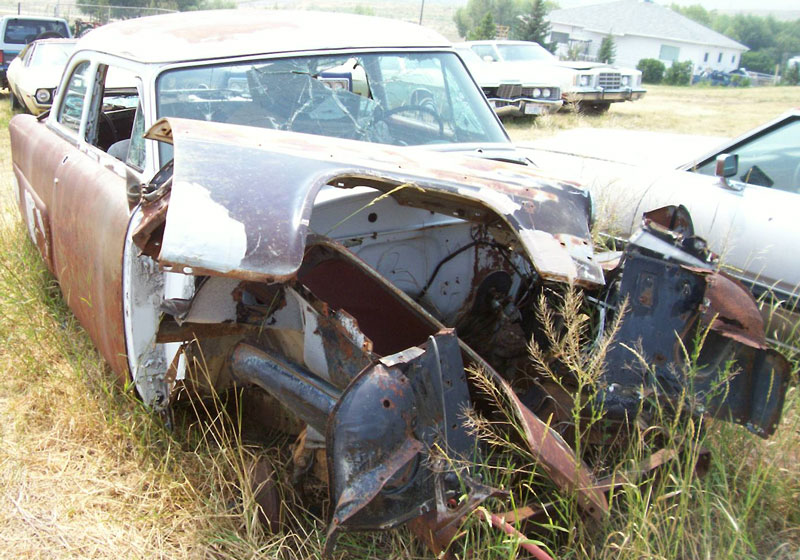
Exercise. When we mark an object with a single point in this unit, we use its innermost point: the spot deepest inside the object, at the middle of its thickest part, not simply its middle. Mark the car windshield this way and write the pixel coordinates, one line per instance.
(21, 31)
(52, 54)
(394, 98)
(532, 51)
(770, 160)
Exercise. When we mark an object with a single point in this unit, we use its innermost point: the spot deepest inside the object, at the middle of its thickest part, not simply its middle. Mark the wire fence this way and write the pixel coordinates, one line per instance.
(77, 11)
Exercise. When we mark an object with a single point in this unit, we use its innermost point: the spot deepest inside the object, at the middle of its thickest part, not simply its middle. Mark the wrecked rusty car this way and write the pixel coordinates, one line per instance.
(340, 225)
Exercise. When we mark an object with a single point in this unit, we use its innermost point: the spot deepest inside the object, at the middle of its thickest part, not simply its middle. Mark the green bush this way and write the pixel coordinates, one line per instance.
(679, 74)
(652, 70)
(791, 76)
(740, 81)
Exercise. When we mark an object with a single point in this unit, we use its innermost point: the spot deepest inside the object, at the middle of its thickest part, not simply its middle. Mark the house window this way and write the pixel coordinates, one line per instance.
(669, 53)
(559, 37)
(733, 59)
(705, 58)
(719, 58)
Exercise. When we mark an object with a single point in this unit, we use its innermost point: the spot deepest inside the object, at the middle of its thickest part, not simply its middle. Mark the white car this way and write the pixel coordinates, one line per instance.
(746, 206)
(590, 86)
(35, 73)
(508, 93)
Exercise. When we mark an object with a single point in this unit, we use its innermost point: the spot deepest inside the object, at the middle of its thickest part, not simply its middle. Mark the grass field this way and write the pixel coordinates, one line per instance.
(85, 472)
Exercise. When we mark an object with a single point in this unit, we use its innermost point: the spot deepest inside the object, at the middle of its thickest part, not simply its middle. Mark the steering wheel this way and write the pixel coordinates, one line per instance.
(110, 124)
(421, 108)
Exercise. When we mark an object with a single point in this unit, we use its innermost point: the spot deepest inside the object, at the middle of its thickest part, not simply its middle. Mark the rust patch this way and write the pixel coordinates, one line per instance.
(732, 311)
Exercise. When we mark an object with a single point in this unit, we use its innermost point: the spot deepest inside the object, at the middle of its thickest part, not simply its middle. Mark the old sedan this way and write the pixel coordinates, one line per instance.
(35, 73)
(258, 200)
(511, 94)
(589, 86)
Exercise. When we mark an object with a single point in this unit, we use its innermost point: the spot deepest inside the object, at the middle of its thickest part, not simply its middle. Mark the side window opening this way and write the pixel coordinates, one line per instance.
(113, 115)
(71, 109)
(135, 156)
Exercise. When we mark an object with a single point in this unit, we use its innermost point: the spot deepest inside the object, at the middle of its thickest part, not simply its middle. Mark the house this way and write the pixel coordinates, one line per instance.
(642, 29)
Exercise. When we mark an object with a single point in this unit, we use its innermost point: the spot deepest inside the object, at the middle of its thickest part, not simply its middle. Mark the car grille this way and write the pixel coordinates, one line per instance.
(515, 91)
(611, 80)
(509, 91)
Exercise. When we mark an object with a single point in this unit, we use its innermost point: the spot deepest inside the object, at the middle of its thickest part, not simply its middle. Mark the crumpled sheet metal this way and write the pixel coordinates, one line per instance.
(730, 315)
(242, 198)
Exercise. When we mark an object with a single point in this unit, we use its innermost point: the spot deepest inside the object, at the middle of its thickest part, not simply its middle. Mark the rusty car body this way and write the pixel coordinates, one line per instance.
(256, 201)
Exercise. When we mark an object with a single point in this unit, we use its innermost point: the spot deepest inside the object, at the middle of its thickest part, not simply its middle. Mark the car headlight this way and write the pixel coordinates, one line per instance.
(626, 81)
(43, 95)
(537, 92)
(546, 92)
(585, 80)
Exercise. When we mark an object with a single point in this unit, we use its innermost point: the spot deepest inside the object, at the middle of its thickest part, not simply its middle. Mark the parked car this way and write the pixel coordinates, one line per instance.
(18, 31)
(590, 86)
(737, 78)
(338, 223)
(510, 95)
(746, 209)
(35, 73)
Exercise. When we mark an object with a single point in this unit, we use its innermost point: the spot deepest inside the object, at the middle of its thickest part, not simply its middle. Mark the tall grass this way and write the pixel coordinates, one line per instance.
(87, 472)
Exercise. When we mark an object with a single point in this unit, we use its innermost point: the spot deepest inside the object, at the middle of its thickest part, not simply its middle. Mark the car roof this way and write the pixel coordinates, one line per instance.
(50, 40)
(498, 42)
(204, 35)
(34, 17)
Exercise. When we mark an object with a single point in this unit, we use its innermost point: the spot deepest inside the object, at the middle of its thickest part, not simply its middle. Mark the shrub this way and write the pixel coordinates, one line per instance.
(791, 76)
(608, 50)
(740, 81)
(679, 74)
(652, 70)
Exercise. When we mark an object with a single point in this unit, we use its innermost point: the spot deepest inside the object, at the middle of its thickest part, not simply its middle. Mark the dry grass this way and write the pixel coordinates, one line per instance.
(85, 472)
(706, 111)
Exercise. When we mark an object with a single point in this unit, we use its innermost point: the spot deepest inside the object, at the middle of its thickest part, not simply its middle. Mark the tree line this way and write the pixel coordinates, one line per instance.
(771, 42)
(525, 19)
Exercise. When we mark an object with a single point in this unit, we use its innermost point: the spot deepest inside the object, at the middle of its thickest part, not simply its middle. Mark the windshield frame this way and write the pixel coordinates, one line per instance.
(541, 53)
(453, 67)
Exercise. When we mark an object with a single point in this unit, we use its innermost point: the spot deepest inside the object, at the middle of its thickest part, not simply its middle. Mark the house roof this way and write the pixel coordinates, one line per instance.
(642, 18)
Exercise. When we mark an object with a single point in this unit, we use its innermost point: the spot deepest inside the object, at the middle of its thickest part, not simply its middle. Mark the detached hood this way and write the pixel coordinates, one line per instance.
(241, 198)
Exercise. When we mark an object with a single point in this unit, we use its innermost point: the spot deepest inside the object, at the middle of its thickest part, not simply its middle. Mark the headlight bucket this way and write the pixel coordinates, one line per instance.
(43, 96)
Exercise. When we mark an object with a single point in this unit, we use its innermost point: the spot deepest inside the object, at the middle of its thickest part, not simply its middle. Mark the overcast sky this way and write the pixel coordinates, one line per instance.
(711, 4)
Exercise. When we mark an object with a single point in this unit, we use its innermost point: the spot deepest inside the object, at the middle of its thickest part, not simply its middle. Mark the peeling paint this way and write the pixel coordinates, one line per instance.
(200, 231)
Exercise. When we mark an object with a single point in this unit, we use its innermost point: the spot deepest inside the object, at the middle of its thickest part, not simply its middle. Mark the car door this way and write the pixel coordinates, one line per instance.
(90, 213)
(767, 190)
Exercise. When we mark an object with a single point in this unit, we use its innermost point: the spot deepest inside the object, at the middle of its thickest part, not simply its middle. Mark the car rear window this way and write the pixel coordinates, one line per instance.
(22, 31)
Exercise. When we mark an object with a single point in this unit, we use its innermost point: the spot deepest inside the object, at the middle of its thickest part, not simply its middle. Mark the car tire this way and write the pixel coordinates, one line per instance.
(594, 108)
(15, 104)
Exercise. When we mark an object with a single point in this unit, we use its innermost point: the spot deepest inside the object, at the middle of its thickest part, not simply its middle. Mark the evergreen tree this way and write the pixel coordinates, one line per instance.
(486, 29)
(469, 17)
(607, 51)
(533, 26)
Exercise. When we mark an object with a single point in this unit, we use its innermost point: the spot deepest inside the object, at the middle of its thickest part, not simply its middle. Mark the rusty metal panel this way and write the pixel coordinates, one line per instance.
(250, 220)
(90, 217)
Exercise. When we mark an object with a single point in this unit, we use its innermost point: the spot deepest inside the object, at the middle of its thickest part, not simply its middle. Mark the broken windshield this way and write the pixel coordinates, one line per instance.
(398, 98)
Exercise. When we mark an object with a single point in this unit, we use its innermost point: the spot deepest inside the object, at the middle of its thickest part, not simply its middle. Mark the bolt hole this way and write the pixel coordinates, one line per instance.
(386, 403)
(373, 217)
